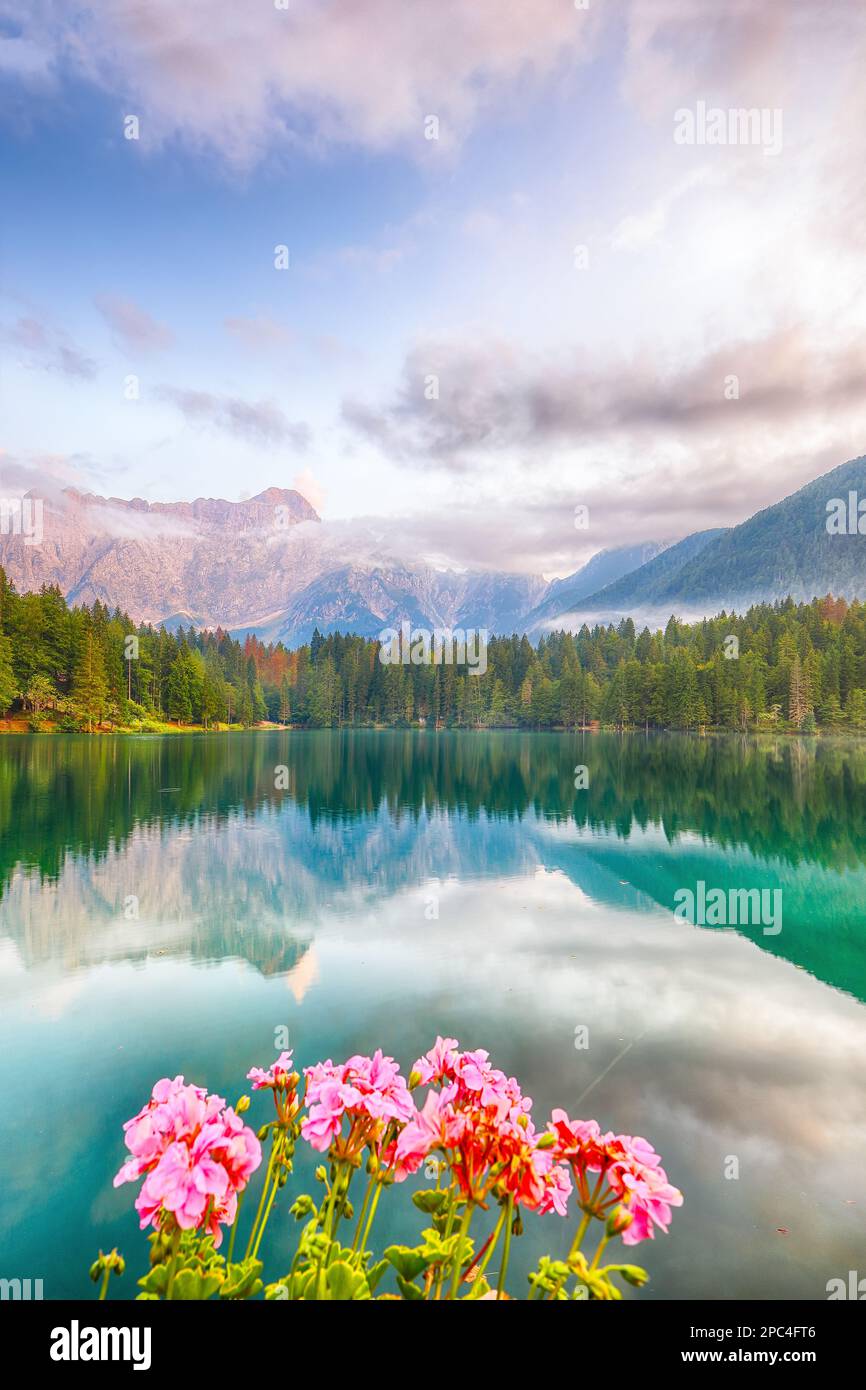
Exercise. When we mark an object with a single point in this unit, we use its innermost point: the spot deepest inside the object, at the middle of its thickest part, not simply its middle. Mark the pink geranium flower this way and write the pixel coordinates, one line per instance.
(638, 1177)
(557, 1190)
(369, 1092)
(438, 1064)
(610, 1169)
(276, 1077)
(436, 1125)
(482, 1122)
(197, 1155)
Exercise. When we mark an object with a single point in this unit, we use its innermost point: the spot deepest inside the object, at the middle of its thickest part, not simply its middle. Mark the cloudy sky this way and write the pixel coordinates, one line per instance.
(513, 287)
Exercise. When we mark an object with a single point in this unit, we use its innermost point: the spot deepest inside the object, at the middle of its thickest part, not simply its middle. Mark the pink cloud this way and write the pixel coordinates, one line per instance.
(258, 332)
(132, 327)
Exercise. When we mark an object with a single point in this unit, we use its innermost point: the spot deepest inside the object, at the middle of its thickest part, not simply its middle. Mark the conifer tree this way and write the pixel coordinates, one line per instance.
(89, 684)
(8, 684)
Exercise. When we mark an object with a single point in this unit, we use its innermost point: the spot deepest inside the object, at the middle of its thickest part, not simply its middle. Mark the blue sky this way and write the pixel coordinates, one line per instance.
(558, 383)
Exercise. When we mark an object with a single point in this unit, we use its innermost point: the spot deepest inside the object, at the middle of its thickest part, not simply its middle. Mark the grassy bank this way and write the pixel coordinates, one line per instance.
(23, 724)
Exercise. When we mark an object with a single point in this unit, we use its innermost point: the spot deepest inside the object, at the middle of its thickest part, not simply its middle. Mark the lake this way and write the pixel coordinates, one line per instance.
(165, 908)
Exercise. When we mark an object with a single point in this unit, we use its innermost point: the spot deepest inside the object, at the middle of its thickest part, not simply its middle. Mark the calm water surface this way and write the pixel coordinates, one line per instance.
(315, 909)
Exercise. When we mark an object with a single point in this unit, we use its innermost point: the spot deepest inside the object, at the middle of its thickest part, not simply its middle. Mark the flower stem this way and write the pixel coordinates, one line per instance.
(329, 1209)
(340, 1208)
(472, 1269)
(599, 1252)
(578, 1239)
(368, 1228)
(506, 1249)
(449, 1227)
(261, 1205)
(587, 1217)
(491, 1246)
(106, 1275)
(265, 1218)
(326, 1230)
(363, 1213)
(458, 1253)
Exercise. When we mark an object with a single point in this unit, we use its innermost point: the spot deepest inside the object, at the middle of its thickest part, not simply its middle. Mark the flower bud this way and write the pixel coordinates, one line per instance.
(619, 1220)
(546, 1141)
(302, 1206)
(414, 1080)
(243, 1105)
(321, 1173)
(633, 1274)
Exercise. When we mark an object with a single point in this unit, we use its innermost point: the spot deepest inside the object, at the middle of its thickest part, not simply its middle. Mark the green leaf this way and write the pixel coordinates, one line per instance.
(407, 1262)
(346, 1284)
(155, 1282)
(306, 1283)
(437, 1250)
(375, 1274)
(242, 1280)
(431, 1201)
(192, 1287)
(409, 1291)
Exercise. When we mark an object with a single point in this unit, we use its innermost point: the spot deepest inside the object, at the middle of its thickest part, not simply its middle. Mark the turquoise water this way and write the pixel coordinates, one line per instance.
(409, 883)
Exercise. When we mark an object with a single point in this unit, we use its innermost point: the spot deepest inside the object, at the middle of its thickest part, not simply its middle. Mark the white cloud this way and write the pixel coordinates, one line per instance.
(639, 229)
(243, 77)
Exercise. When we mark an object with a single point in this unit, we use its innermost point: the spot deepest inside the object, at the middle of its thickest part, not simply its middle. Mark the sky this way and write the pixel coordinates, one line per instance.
(519, 281)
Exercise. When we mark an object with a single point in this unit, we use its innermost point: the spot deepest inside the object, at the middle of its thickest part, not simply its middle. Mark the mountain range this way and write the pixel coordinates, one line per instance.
(788, 549)
(268, 565)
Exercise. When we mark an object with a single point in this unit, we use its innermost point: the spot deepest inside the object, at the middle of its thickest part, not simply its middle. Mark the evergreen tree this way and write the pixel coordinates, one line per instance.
(213, 698)
(855, 709)
(285, 711)
(89, 684)
(8, 683)
(178, 693)
(791, 664)
(324, 695)
(799, 703)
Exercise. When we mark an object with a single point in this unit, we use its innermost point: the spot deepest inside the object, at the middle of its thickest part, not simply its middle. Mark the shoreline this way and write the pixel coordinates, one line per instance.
(19, 727)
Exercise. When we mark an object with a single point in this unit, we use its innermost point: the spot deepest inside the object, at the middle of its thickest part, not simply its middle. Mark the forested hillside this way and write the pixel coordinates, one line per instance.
(789, 548)
(782, 665)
